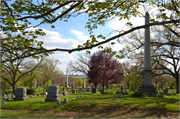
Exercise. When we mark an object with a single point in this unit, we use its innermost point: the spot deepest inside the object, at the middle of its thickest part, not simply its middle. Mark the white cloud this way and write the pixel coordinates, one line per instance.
(53, 39)
(80, 35)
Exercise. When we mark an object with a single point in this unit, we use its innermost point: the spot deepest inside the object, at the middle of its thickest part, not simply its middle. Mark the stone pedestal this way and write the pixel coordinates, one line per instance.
(53, 93)
(20, 94)
(147, 86)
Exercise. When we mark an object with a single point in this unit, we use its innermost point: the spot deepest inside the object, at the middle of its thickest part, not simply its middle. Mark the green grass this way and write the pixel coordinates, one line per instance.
(87, 101)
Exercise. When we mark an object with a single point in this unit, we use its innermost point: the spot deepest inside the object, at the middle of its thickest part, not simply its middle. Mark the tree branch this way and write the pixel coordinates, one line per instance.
(95, 45)
(39, 16)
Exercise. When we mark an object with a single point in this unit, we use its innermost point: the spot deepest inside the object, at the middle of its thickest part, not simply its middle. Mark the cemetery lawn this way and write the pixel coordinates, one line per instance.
(93, 106)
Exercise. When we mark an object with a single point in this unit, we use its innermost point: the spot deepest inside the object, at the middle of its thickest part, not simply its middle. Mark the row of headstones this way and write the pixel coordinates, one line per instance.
(166, 92)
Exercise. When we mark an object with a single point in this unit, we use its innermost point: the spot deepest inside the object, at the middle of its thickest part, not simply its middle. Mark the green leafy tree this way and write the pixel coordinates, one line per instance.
(79, 81)
(31, 79)
(15, 17)
(48, 70)
(14, 70)
(172, 84)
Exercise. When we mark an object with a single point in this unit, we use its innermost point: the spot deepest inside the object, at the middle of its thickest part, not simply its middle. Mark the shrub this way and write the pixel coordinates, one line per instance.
(136, 94)
(125, 93)
(160, 95)
(30, 91)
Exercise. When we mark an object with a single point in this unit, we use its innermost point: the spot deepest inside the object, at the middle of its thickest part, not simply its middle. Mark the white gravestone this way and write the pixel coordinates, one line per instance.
(52, 93)
(20, 94)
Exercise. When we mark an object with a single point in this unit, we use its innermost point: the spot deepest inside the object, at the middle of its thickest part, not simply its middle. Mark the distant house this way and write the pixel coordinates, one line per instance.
(77, 76)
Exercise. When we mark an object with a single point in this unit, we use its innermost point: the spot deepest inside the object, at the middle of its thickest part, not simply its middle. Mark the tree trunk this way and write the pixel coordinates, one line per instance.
(14, 87)
(103, 82)
(177, 84)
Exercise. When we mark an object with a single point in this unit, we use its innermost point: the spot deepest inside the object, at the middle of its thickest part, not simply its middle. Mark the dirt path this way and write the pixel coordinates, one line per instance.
(97, 112)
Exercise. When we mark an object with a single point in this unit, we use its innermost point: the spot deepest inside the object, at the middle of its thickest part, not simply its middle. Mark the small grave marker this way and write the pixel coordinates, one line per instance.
(65, 100)
(6, 98)
(4, 102)
(59, 102)
(119, 95)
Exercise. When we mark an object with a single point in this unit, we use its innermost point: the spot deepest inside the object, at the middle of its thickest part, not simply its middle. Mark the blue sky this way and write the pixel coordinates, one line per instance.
(70, 34)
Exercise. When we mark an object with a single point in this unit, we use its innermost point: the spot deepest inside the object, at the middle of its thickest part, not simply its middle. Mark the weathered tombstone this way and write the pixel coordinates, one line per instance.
(9, 96)
(73, 98)
(60, 91)
(115, 96)
(59, 101)
(34, 94)
(65, 100)
(6, 99)
(65, 93)
(93, 90)
(20, 94)
(80, 96)
(74, 91)
(4, 95)
(72, 87)
(53, 93)
(119, 91)
(4, 102)
(100, 88)
(38, 95)
(166, 91)
(88, 89)
(119, 95)
(13, 96)
(147, 86)
(121, 88)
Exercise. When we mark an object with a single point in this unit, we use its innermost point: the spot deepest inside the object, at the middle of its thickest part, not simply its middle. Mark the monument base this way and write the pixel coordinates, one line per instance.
(20, 98)
(51, 99)
(147, 89)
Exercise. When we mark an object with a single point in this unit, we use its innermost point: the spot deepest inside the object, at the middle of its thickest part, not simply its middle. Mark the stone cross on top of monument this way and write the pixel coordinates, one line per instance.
(147, 86)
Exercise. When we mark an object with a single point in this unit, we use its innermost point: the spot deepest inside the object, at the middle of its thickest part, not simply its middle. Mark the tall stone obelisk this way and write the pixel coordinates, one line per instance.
(147, 86)
(66, 85)
(84, 83)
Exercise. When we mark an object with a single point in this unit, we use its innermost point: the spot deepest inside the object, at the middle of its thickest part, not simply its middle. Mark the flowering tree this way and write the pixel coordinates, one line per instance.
(104, 68)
